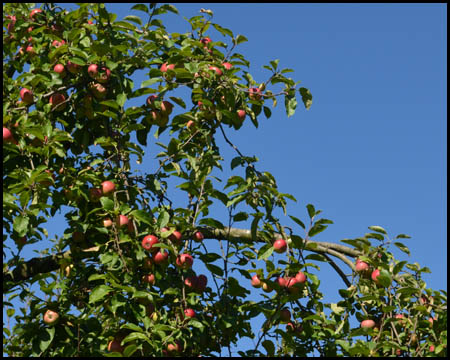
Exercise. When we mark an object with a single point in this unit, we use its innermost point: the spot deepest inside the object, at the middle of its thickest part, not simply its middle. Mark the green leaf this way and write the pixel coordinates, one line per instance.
(317, 228)
(223, 30)
(107, 203)
(163, 218)
(140, 7)
(267, 112)
(240, 39)
(214, 269)
(402, 236)
(236, 162)
(20, 225)
(99, 293)
(133, 18)
(240, 216)
(254, 226)
(402, 247)
(269, 346)
(142, 216)
(297, 241)
(46, 338)
(265, 251)
(274, 64)
(212, 222)
(378, 229)
(311, 210)
(306, 97)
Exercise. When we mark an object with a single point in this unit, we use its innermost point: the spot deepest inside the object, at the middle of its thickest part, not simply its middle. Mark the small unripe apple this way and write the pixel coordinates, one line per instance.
(68, 269)
(34, 12)
(150, 279)
(227, 65)
(107, 222)
(160, 257)
(361, 266)
(57, 99)
(166, 107)
(216, 69)
(114, 346)
(26, 96)
(51, 317)
(164, 67)
(280, 246)
(367, 324)
(108, 187)
(256, 282)
(148, 242)
(254, 93)
(189, 313)
(241, 114)
(184, 261)
(57, 43)
(285, 315)
(300, 277)
(59, 69)
(162, 120)
(122, 220)
(375, 275)
(73, 68)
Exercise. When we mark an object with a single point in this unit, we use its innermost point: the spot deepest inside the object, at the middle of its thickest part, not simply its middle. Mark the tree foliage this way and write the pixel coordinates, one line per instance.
(73, 131)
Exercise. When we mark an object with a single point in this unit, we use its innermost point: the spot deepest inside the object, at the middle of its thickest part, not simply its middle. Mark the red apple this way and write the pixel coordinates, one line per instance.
(73, 68)
(150, 279)
(191, 282)
(59, 69)
(282, 281)
(122, 220)
(33, 12)
(102, 76)
(150, 100)
(164, 67)
(206, 40)
(189, 313)
(148, 241)
(191, 126)
(95, 194)
(57, 43)
(241, 114)
(280, 246)
(51, 317)
(174, 348)
(198, 236)
(285, 315)
(361, 266)
(7, 136)
(256, 282)
(107, 222)
(108, 187)
(11, 23)
(227, 65)
(216, 69)
(175, 237)
(26, 96)
(254, 93)
(290, 284)
(375, 275)
(431, 348)
(300, 277)
(166, 107)
(57, 99)
(367, 324)
(160, 257)
(98, 90)
(184, 261)
(114, 346)
(202, 281)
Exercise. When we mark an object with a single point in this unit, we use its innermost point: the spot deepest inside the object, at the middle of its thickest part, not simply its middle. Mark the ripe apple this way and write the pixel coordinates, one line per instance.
(30, 50)
(241, 114)
(202, 281)
(11, 23)
(102, 76)
(57, 99)
(57, 43)
(7, 135)
(184, 261)
(148, 263)
(291, 286)
(160, 257)
(191, 282)
(150, 279)
(33, 12)
(95, 194)
(198, 236)
(282, 281)
(59, 69)
(206, 40)
(107, 222)
(375, 275)
(191, 125)
(166, 108)
(285, 315)
(122, 220)
(367, 324)
(51, 317)
(73, 68)
(256, 282)
(254, 93)
(150, 101)
(189, 313)
(300, 277)
(164, 67)
(148, 241)
(175, 237)
(26, 96)
(361, 266)
(280, 246)
(227, 65)
(216, 69)
(108, 187)
(98, 90)
(174, 348)
(114, 346)
(431, 348)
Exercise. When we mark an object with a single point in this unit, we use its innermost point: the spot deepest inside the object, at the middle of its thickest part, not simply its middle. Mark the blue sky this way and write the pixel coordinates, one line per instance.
(372, 148)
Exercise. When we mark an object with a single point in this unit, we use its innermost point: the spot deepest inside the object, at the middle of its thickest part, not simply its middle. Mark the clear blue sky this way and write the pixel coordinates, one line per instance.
(372, 149)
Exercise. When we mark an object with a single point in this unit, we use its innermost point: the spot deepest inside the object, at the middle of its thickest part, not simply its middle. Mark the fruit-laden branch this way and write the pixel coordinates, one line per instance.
(36, 266)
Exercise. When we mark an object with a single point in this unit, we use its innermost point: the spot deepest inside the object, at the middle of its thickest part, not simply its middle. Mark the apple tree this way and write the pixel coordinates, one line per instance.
(120, 279)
